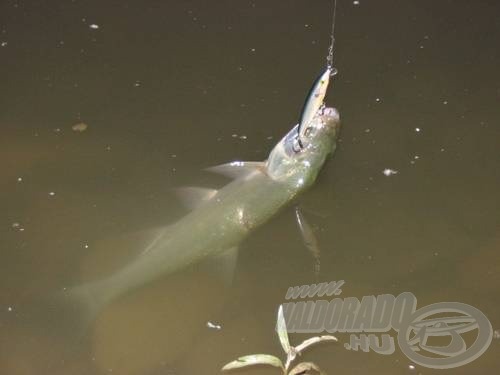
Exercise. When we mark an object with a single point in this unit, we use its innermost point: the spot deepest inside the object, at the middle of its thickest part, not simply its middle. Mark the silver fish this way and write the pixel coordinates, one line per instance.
(224, 217)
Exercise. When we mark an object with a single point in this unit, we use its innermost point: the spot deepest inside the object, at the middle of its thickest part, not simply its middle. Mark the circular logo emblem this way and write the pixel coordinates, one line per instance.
(436, 342)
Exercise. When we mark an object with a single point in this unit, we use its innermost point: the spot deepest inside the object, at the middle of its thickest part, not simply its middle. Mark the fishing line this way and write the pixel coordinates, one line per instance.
(314, 100)
(329, 57)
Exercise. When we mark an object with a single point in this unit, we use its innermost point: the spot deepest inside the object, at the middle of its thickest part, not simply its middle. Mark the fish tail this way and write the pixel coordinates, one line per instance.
(67, 314)
(78, 307)
(87, 299)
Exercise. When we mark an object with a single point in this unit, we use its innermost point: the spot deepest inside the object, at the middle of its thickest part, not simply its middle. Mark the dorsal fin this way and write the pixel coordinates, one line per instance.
(238, 169)
(192, 197)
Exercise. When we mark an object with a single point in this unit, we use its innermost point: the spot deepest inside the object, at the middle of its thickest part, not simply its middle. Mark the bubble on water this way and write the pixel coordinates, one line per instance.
(389, 172)
(79, 127)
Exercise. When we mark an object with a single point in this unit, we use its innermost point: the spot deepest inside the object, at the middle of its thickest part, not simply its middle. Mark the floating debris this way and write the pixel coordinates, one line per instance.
(242, 137)
(211, 325)
(496, 334)
(80, 127)
(389, 172)
(3, 44)
(17, 226)
(417, 130)
(94, 26)
(52, 193)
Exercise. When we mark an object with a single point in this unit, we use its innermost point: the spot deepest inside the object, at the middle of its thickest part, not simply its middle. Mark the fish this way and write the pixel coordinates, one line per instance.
(223, 218)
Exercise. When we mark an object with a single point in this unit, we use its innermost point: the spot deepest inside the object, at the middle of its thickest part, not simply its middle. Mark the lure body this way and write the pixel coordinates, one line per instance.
(314, 101)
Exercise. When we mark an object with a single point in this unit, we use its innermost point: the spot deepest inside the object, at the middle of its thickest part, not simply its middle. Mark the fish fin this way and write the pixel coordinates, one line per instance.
(89, 298)
(238, 169)
(193, 197)
(71, 312)
(152, 237)
(82, 303)
(224, 264)
(309, 238)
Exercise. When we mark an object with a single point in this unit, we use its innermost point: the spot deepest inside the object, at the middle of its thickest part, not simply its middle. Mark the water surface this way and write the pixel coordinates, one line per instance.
(169, 88)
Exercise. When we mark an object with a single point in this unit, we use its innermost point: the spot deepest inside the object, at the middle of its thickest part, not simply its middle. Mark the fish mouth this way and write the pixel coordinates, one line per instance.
(331, 112)
(331, 117)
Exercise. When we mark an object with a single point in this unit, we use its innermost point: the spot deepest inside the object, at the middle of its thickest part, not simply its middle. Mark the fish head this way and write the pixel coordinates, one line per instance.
(298, 162)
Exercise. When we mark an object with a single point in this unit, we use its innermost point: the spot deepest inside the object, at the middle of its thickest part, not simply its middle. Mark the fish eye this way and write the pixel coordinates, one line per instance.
(310, 131)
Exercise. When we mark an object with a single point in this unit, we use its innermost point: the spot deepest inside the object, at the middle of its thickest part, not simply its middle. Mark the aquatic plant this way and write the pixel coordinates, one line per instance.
(302, 368)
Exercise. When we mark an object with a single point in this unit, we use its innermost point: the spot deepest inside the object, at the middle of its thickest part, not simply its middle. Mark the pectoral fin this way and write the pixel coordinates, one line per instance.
(193, 197)
(238, 169)
(309, 238)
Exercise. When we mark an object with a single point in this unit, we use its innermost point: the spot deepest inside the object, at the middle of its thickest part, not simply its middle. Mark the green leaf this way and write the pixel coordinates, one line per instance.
(306, 368)
(314, 340)
(282, 332)
(254, 359)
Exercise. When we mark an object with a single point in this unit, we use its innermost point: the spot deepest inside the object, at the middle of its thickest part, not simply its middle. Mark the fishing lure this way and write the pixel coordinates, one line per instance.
(315, 98)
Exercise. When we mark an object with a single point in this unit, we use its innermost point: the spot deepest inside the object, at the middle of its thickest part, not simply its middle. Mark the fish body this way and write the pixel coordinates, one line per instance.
(221, 222)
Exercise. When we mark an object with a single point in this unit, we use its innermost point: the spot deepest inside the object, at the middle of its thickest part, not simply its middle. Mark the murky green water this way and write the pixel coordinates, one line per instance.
(169, 88)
